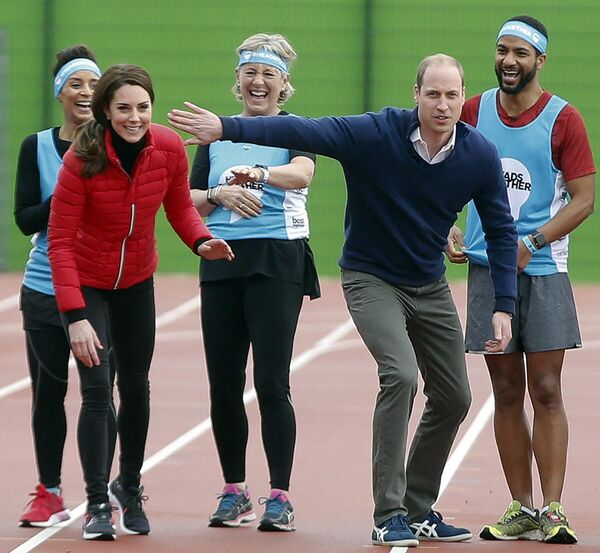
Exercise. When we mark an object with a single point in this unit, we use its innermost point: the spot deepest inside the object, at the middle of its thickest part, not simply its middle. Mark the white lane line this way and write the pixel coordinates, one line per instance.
(163, 320)
(15, 387)
(320, 347)
(466, 443)
(9, 303)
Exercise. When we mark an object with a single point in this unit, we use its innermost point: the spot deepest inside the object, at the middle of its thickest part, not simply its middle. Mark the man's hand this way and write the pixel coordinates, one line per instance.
(215, 248)
(204, 125)
(501, 324)
(454, 247)
(84, 342)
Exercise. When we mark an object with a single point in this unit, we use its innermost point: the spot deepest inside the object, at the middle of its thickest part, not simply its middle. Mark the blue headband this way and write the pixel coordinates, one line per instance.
(266, 57)
(526, 32)
(79, 64)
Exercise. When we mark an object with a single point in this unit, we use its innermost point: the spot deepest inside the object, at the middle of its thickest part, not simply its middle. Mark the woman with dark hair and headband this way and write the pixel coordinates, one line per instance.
(118, 173)
(255, 198)
(75, 76)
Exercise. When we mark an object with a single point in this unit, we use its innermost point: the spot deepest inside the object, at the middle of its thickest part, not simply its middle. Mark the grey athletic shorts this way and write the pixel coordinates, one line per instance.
(545, 317)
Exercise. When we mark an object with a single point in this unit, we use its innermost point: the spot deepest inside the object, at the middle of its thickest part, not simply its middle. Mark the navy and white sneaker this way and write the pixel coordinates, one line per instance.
(432, 527)
(234, 508)
(278, 515)
(394, 531)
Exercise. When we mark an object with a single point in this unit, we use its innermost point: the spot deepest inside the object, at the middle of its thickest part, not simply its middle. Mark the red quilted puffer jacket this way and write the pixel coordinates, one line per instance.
(101, 229)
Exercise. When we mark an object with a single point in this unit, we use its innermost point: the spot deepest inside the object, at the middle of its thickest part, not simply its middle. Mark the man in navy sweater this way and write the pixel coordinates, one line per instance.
(408, 174)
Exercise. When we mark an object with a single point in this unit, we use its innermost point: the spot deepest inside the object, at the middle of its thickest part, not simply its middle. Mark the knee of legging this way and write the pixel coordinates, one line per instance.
(134, 389)
(272, 389)
(96, 393)
(51, 394)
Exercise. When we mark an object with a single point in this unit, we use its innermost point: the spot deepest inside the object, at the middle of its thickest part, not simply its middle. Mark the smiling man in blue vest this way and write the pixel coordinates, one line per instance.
(549, 172)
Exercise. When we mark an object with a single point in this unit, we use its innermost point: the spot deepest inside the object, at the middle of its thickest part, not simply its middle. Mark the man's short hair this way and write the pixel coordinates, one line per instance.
(439, 59)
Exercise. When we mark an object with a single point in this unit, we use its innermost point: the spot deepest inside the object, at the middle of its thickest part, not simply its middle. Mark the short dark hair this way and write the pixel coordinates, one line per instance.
(71, 53)
(532, 22)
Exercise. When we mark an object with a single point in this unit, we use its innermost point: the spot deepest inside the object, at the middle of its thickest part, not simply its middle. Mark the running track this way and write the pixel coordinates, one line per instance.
(334, 386)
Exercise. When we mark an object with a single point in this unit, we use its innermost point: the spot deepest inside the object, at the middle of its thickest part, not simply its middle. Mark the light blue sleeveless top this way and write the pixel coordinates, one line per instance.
(283, 215)
(536, 188)
(37, 270)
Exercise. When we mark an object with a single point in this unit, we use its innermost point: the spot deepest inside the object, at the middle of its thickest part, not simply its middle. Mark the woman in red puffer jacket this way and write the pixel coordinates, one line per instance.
(102, 249)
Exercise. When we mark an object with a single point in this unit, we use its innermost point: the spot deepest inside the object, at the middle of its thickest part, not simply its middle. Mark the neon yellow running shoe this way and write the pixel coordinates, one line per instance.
(515, 524)
(555, 526)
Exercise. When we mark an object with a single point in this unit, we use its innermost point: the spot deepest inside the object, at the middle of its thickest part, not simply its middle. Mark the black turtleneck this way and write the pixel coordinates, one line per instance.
(127, 152)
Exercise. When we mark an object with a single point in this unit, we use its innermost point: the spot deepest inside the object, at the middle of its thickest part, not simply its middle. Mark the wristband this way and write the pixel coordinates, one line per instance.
(265, 171)
(214, 191)
(529, 244)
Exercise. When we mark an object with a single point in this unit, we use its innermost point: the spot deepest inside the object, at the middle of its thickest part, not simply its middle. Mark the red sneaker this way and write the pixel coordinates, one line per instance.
(45, 509)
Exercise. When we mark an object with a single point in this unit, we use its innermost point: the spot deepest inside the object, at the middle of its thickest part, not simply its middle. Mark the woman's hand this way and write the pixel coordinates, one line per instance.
(240, 200)
(215, 248)
(246, 175)
(84, 342)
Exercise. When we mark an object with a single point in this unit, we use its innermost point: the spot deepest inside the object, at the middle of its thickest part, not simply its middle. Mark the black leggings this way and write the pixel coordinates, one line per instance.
(128, 316)
(48, 351)
(235, 313)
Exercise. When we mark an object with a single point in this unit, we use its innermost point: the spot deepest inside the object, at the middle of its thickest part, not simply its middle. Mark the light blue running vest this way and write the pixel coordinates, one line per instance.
(536, 188)
(283, 214)
(37, 270)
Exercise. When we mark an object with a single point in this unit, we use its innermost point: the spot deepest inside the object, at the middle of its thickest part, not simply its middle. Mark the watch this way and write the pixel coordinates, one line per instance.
(265, 171)
(538, 239)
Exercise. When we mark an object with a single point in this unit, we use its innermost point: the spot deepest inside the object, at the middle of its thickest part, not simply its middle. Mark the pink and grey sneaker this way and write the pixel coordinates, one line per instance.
(234, 508)
(45, 509)
(279, 513)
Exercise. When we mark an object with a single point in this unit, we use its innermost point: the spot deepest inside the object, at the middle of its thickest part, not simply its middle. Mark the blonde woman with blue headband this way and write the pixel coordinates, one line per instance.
(255, 198)
(75, 75)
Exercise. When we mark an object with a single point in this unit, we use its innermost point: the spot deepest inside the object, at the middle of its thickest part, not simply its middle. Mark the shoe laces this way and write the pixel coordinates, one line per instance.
(436, 515)
(37, 495)
(227, 500)
(397, 522)
(102, 511)
(134, 502)
(274, 504)
(509, 515)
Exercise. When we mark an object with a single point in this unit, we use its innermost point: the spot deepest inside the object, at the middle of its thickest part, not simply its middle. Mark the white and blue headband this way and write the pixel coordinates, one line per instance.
(266, 57)
(526, 32)
(78, 64)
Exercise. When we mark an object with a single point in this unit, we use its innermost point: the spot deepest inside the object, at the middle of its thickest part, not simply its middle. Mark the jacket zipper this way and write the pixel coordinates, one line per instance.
(123, 245)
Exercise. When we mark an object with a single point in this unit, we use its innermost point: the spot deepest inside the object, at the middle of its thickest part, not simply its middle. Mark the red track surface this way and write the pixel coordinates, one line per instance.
(333, 394)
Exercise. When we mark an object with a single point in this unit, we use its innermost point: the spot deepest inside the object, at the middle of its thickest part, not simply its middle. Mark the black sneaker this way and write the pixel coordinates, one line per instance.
(279, 513)
(98, 524)
(234, 508)
(132, 517)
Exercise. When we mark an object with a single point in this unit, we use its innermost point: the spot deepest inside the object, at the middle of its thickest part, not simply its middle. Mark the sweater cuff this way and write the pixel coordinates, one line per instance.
(230, 128)
(75, 315)
(505, 304)
(199, 242)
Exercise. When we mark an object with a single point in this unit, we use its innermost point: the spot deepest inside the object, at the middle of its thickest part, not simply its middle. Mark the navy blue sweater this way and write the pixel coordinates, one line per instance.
(400, 208)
